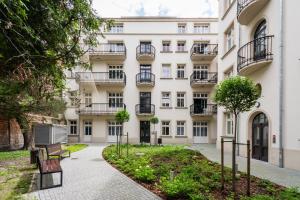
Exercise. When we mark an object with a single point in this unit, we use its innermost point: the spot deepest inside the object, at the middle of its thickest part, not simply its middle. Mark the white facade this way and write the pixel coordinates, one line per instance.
(262, 63)
(170, 83)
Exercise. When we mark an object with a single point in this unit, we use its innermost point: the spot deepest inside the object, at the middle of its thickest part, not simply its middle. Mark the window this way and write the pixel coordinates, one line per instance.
(180, 128)
(181, 71)
(87, 127)
(166, 71)
(116, 47)
(114, 128)
(181, 28)
(200, 72)
(116, 28)
(88, 99)
(229, 38)
(181, 46)
(73, 98)
(115, 99)
(200, 129)
(165, 128)
(180, 99)
(229, 124)
(166, 99)
(73, 127)
(201, 28)
(166, 46)
(115, 71)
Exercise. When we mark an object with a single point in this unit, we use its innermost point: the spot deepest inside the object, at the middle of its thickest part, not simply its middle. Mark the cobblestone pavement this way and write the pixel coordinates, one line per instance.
(281, 176)
(88, 177)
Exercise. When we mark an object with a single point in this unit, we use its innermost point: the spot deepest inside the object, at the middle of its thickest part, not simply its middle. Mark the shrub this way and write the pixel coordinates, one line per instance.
(144, 173)
(290, 194)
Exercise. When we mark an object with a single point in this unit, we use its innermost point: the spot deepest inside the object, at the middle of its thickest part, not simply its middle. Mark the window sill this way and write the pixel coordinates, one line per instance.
(166, 108)
(227, 10)
(230, 50)
(71, 135)
(162, 78)
(166, 51)
(180, 136)
(166, 136)
(181, 78)
(181, 108)
(181, 51)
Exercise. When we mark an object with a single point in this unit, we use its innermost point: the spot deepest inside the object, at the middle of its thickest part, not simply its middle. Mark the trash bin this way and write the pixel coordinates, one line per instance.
(33, 155)
(159, 141)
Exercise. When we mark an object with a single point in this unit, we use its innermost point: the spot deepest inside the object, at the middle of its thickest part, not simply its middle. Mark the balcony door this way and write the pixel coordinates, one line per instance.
(115, 101)
(145, 102)
(114, 129)
(260, 42)
(115, 72)
(201, 48)
(200, 103)
(145, 47)
(87, 130)
(200, 72)
(200, 132)
(145, 131)
(116, 47)
(145, 73)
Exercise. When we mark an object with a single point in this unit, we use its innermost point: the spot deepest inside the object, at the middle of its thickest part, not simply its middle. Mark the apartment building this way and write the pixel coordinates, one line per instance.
(259, 39)
(150, 66)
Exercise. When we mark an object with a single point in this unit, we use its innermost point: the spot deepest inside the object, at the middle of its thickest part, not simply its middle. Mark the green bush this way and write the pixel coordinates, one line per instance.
(290, 194)
(145, 174)
(258, 197)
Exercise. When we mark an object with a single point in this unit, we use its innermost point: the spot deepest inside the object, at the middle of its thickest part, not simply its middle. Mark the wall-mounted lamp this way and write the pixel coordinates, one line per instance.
(257, 104)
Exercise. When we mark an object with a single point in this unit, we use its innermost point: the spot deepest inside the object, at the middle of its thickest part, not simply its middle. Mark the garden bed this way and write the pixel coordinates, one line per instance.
(173, 172)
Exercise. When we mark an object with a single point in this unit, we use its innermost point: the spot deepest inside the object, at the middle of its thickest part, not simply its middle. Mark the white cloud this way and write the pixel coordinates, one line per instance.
(176, 8)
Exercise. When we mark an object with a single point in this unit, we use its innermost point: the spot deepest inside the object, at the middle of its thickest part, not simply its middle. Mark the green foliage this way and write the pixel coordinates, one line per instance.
(237, 94)
(154, 120)
(74, 147)
(122, 116)
(290, 194)
(11, 155)
(144, 173)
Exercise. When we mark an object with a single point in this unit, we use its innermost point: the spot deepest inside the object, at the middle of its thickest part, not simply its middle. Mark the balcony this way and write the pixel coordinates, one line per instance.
(112, 78)
(248, 9)
(255, 55)
(204, 52)
(100, 109)
(108, 52)
(203, 111)
(145, 109)
(145, 79)
(145, 53)
(201, 79)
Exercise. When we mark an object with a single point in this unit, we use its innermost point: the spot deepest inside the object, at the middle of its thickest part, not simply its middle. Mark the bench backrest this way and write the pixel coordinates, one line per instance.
(52, 148)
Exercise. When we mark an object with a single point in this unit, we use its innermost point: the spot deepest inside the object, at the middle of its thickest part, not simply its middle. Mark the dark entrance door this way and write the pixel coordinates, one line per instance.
(260, 45)
(145, 131)
(200, 105)
(260, 135)
(145, 102)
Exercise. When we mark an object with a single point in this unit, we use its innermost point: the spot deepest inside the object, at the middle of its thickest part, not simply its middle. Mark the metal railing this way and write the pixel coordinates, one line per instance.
(241, 4)
(208, 109)
(144, 50)
(145, 78)
(100, 108)
(200, 77)
(255, 51)
(204, 49)
(103, 77)
(147, 109)
(109, 48)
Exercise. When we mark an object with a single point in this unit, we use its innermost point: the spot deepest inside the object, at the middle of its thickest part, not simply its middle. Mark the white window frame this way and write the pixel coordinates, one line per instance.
(88, 124)
(181, 46)
(117, 28)
(180, 101)
(180, 71)
(88, 99)
(165, 128)
(115, 99)
(199, 127)
(166, 100)
(180, 128)
(166, 71)
(229, 124)
(201, 28)
(181, 28)
(166, 46)
(73, 127)
(73, 98)
(229, 37)
(114, 127)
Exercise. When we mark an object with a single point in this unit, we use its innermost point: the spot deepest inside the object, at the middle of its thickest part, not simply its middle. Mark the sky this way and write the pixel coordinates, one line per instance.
(174, 8)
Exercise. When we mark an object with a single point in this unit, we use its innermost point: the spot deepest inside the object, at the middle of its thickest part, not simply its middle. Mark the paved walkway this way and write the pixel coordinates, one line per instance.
(87, 176)
(281, 176)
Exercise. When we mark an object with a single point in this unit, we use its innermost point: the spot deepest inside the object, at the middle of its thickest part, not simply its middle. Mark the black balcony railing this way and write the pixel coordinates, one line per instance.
(203, 77)
(255, 51)
(241, 4)
(203, 110)
(100, 108)
(102, 77)
(145, 78)
(204, 49)
(145, 109)
(109, 48)
(145, 50)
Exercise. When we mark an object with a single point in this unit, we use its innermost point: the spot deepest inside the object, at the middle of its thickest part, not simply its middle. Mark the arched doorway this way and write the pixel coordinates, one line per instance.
(260, 137)
(260, 42)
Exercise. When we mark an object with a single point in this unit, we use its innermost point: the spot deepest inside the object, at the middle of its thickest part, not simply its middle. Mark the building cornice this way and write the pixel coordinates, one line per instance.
(180, 34)
(163, 19)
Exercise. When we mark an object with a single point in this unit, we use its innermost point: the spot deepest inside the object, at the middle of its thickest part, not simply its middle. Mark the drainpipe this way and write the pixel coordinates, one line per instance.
(281, 84)
(239, 115)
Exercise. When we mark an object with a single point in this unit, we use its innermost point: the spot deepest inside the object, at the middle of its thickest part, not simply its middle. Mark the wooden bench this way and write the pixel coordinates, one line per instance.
(55, 150)
(49, 166)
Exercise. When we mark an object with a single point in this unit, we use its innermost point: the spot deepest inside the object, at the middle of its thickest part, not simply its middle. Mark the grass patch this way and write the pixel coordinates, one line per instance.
(195, 177)
(10, 155)
(74, 147)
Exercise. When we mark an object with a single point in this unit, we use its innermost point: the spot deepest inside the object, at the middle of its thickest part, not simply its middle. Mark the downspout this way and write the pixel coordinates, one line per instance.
(281, 84)
(239, 115)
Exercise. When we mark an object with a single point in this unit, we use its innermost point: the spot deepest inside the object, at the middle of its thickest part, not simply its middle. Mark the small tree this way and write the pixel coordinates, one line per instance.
(236, 94)
(154, 120)
(121, 117)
